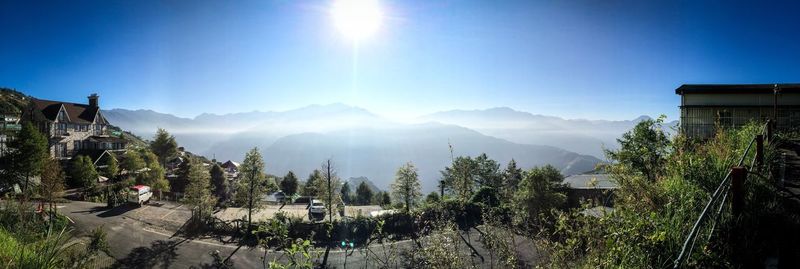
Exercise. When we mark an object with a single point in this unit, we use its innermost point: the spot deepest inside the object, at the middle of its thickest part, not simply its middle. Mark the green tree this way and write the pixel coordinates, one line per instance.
(198, 190)
(363, 194)
(289, 184)
(345, 193)
(164, 146)
(406, 187)
(27, 154)
(538, 193)
(488, 172)
(251, 183)
(643, 149)
(182, 175)
(311, 187)
(83, 173)
(150, 158)
(461, 176)
(52, 183)
(219, 182)
(154, 177)
(132, 162)
(112, 167)
(512, 176)
(432, 198)
(385, 199)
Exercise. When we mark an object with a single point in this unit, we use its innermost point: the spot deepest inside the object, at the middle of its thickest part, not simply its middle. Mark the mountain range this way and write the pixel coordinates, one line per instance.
(364, 144)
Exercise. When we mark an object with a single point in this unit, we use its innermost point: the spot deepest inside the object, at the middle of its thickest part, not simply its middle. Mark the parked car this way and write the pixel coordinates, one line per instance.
(316, 210)
(139, 194)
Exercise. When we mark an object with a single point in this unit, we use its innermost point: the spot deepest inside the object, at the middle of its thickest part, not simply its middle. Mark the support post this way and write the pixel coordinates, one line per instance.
(738, 175)
(759, 151)
(769, 129)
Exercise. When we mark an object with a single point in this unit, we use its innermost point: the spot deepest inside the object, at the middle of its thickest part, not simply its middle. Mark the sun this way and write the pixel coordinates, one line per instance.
(357, 19)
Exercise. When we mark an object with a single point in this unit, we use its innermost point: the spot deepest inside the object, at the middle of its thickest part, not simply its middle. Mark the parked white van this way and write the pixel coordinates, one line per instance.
(139, 194)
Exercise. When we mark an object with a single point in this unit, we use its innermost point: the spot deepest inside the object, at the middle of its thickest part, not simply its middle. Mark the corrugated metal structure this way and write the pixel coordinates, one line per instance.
(704, 107)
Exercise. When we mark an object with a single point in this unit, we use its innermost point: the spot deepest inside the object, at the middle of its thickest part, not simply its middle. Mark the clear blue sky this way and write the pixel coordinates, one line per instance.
(575, 59)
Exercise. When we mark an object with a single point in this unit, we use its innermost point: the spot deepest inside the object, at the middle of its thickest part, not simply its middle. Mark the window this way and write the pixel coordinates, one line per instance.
(77, 145)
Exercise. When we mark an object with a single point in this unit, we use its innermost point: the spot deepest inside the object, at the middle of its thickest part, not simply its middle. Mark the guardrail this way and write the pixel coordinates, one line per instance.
(732, 183)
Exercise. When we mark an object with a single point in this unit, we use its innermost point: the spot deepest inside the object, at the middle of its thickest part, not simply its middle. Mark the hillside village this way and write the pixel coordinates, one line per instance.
(95, 166)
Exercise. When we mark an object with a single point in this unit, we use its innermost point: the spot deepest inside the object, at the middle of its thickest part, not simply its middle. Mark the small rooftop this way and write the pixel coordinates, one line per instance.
(590, 181)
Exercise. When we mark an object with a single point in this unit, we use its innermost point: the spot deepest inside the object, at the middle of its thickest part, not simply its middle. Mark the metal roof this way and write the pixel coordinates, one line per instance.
(736, 88)
(590, 181)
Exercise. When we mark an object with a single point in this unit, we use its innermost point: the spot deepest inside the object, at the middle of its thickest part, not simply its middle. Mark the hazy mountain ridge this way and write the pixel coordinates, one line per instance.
(578, 135)
(364, 144)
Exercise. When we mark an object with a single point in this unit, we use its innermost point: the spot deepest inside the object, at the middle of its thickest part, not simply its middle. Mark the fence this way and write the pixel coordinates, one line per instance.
(731, 184)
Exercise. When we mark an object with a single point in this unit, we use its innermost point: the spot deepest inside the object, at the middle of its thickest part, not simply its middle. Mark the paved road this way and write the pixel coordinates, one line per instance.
(138, 240)
(143, 237)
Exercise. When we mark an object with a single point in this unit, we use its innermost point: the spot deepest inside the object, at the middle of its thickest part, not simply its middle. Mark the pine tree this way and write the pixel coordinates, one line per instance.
(512, 176)
(289, 184)
(345, 193)
(198, 190)
(251, 183)
(27, 154)
(219, 182)
(363, 194)
(83, 173)
(112, 167)
(164, 146)
(310, 188)
(406, 187)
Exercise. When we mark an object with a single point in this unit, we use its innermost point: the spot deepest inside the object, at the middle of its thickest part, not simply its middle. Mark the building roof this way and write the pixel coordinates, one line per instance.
(230, 163)
(590, 181)
(77, 113)
(107, 139)
(736, 88)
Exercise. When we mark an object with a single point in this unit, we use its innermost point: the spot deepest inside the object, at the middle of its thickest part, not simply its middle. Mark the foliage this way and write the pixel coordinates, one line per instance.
(512, 176)
(132, 162)
(164, 146)
(486, 196)
(198, 191)
(406, 187)
(659, 199)
(311, 186)
(26, 154)
(538, 195)
(219, 182)
(329, 188)
(432, 198)
(460, 177)
(154, 176)
(345, 193)
(289, 184)
(112, 167)
(82, 173)
(363, 194)
(251, 183)
(52, 182)
(643, 149)
(182, 175)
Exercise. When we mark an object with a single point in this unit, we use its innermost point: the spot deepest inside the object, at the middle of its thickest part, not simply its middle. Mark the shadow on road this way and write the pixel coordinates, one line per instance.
(92, 210)
(161, 254)
(119, 210)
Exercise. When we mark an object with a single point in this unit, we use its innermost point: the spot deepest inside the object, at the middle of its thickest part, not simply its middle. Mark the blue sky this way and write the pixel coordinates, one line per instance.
(575, 59)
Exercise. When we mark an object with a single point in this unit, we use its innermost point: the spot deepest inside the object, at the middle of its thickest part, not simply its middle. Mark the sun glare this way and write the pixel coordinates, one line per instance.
(357, 19)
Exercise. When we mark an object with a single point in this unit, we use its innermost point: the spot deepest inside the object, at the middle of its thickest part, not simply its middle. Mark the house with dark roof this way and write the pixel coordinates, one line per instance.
(74, 129)
(706, 106)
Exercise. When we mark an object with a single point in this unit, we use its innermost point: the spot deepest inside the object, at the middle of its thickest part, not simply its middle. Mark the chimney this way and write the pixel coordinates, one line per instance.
(93, 100)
